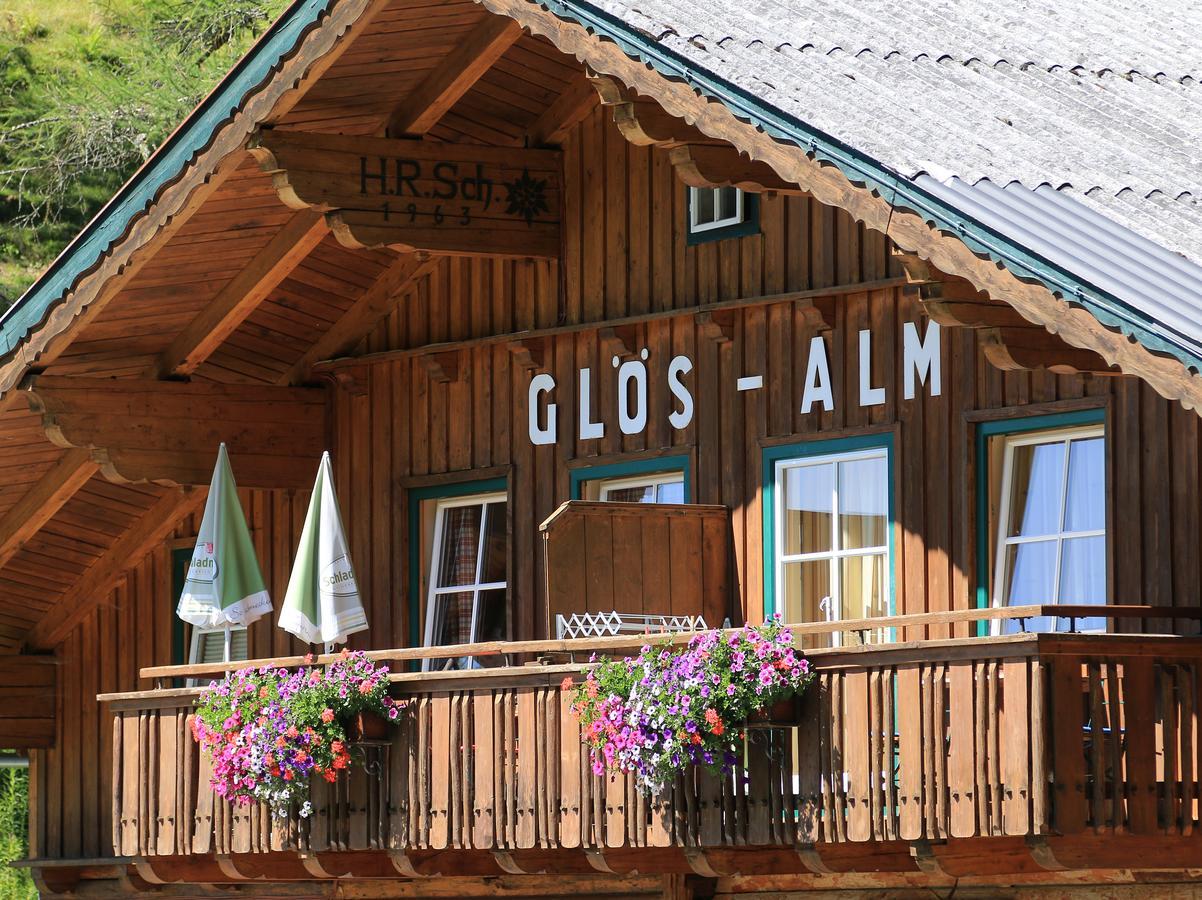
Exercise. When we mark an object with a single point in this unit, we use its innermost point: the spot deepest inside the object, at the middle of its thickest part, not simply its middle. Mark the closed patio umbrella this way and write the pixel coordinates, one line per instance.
(322, 603)
(224, 585)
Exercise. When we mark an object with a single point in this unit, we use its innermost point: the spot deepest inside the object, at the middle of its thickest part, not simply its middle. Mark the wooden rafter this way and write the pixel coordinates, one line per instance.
(453, 77)
(566, 111)
(98, 580)
(245, 291)
(39, 504)
(375, 303)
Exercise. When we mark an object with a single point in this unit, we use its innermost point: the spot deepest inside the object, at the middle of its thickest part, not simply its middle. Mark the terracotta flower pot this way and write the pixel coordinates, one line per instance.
(367, 726)
(784, 713)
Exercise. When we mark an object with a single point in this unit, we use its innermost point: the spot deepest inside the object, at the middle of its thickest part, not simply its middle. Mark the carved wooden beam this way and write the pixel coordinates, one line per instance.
(454, 76)
(238, 299)
(167, 432)
(1031, 347)
(153, 527)
(640, 120)
(708, 165)
(412, 195)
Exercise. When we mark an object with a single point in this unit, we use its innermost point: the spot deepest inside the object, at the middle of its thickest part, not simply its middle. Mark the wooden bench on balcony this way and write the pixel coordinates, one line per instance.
(637, 558)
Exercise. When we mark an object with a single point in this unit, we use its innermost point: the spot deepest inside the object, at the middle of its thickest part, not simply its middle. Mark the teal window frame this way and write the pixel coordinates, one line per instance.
(823, 447)
(749, 226)
(627, 468)
(416, 497)
(985, 431)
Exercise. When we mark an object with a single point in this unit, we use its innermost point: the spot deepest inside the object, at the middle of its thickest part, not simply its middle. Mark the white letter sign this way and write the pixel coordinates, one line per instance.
(869, 396)
(921, 357)
(636, 371)
(818, 378)
(541, 384)
(680, 365)
(588, 428)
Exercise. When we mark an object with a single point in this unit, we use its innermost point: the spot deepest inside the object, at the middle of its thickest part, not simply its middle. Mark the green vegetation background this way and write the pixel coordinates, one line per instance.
(88, 89)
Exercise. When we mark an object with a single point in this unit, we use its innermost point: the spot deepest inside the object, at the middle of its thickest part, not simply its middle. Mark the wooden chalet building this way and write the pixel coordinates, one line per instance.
(839, 311)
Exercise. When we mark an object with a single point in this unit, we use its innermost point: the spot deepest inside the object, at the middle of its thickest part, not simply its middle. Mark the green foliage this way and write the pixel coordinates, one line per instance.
(88, 89)
(15, 884)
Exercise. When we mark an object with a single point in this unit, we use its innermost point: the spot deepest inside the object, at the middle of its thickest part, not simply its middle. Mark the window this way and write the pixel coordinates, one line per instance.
(216, 645)
(667, 487)
(466, 585)
(830, 536)
(721, 212)
(660, 479)
(1049, 534)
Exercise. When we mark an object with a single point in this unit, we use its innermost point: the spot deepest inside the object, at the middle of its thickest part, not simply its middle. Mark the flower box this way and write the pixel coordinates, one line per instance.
(674, 705)
(784, 713)
(367, 726)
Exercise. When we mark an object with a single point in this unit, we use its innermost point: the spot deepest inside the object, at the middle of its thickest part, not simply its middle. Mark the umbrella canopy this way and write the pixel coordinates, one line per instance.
(224, 585)
(322, 603)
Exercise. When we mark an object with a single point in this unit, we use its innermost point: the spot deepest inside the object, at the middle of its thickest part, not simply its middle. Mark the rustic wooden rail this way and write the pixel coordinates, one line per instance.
(1016, 736)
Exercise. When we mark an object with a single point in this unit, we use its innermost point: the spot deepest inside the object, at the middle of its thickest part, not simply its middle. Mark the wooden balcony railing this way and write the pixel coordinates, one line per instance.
(1028, 737)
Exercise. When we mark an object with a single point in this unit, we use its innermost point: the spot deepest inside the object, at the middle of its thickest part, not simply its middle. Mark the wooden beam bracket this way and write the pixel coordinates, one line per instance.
(530, 353)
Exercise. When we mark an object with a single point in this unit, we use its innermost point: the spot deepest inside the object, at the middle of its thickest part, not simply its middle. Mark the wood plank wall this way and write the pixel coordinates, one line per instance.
(401, 425)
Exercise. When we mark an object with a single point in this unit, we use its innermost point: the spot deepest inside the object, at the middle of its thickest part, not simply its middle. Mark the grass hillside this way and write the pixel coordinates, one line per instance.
(88, 89)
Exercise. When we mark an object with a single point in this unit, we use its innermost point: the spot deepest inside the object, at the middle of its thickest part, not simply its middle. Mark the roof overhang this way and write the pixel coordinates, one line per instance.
(916, 219)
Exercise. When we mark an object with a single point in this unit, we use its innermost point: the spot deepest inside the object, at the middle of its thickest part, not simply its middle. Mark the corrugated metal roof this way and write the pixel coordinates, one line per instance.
(1072, 129)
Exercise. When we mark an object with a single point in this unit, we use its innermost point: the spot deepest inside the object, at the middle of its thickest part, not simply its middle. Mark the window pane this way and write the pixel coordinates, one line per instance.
(495, 544)
(728, 204)
(806, 592)
(672, 492)
(808, 512)
(703, 206)
(641, 494)
(1032, 569)
(863, 591)
(491, 626)
(1035, 490)
(1083, 578)
(452, 618)
(1086, 503)
(863, 503)
(460, 545)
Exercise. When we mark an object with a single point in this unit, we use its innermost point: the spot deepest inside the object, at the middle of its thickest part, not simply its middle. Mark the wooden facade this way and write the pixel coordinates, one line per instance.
(414, 366)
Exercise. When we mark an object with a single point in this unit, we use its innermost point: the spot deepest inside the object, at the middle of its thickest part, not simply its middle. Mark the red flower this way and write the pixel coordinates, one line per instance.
(327, 715)
(567, 684)
(336, 747)
(717, 729)
(329, 775)
(288, 775)
(263, 693)
(292, 732)
(339, 763)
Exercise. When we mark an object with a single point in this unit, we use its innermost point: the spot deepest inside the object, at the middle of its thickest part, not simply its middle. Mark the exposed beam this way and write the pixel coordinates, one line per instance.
(166, 432)
(375, 303)
(39, 504)
(239, 298)
(93, 587)
(566, 111)
(453, 77)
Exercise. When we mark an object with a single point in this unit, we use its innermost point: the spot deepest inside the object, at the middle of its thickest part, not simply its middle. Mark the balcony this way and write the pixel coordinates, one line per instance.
(1014, 754)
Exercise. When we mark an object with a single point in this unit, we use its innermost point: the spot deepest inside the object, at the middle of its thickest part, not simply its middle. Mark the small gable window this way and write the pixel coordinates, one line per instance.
(721, 212)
